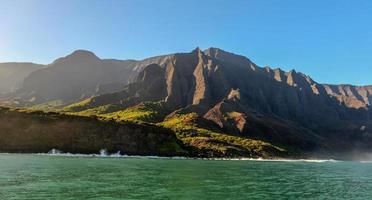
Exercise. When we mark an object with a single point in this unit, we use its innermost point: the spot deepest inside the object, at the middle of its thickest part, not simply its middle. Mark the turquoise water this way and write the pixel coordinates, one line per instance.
(55, 177)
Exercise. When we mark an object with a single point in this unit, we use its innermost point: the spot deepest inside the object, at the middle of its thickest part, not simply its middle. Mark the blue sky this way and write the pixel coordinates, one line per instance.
(330, 40)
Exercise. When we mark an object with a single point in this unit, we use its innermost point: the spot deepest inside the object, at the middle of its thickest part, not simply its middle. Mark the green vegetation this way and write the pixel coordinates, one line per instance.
(30, 131)
(79, 106)
(99, 110)
(48, 106)
(197, 140)
(151, 112)
(212, 143)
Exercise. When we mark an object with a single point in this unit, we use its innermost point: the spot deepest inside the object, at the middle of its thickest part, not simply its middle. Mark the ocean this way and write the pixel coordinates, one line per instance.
(28, 176)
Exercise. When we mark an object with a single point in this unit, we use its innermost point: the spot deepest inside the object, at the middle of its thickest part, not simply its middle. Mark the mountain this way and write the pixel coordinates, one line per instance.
(215, 102)
(71, 78)
(75, 77)
(239, 98)
(13, 74)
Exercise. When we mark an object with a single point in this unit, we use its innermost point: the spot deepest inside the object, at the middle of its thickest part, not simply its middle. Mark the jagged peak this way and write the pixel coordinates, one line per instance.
(212, 50)
(217, 52)
(234, 59)
(278, 69)
(197, 49)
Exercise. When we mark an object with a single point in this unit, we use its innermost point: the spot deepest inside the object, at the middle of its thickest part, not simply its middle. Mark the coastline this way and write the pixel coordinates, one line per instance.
(116, 155)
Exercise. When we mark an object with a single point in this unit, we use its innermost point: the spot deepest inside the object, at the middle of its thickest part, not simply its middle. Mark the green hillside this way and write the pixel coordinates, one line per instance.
(199, 141)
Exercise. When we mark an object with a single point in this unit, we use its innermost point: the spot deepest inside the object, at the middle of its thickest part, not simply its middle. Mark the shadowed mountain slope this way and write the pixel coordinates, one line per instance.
(13, 74)
(75, 77)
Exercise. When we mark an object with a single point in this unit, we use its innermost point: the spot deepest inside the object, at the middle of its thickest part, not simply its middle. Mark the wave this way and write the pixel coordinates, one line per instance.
(104, 154)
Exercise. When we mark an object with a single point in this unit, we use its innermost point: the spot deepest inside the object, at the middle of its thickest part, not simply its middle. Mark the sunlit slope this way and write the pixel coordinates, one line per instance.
(129, 131)
(199, 140)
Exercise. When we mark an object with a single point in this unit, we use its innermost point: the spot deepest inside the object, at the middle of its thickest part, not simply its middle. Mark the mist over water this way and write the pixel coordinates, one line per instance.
(62, 177)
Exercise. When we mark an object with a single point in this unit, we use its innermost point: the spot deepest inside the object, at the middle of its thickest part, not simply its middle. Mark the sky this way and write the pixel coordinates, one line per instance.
(330, 40)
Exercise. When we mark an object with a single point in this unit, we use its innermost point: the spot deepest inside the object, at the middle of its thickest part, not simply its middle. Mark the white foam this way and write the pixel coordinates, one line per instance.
(104, 153)
(54, 152)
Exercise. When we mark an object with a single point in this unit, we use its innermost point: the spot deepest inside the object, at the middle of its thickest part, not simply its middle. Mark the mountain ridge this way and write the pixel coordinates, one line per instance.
(243, 99)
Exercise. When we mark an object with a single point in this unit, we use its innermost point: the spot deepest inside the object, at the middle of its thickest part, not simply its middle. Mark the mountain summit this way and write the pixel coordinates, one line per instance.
(78, 56)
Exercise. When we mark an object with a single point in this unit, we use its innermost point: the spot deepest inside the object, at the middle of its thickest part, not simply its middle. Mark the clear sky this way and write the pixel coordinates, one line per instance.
(330, 40)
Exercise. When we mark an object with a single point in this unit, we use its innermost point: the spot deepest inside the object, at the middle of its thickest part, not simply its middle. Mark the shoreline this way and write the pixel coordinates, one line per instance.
(311, 160)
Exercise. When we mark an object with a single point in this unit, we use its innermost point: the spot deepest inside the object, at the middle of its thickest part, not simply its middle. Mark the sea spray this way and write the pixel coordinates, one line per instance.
(55, 152)
(103, 153)
(117, 154)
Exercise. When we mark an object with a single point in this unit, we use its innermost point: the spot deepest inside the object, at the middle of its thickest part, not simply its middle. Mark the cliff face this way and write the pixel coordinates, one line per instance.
(39, 132)
(204, 79)
(243, 99)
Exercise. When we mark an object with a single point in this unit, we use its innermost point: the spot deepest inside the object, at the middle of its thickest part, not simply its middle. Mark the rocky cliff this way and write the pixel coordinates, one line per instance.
(24, 131)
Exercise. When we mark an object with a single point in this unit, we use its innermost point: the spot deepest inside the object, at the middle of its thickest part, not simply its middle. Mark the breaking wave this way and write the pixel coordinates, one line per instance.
(105, 154)
(102, 153)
